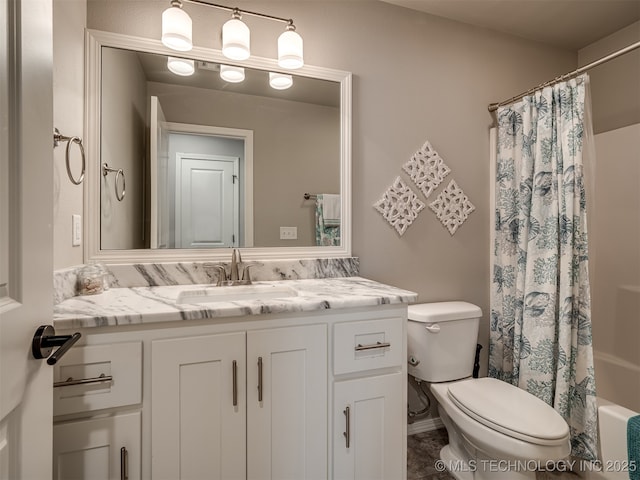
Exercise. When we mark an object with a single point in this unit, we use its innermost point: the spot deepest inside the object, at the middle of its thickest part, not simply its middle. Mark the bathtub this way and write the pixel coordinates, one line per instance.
(617, 379)
(612, 432)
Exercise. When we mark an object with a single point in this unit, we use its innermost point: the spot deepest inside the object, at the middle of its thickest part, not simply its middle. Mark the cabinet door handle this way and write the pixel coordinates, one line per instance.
(347, 430)
(124, 464)
(234, 367)
(372, 346)
(259, 379)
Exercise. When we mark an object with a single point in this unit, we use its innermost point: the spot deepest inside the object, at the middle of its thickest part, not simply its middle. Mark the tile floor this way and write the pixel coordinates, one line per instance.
(423, 449)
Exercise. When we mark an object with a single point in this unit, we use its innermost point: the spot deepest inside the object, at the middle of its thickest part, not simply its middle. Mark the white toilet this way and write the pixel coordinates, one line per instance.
(496, 430)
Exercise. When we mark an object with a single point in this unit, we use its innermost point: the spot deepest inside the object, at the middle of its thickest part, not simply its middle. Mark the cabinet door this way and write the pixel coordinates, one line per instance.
(287, 420)
(198, 424)
(92, 449)
(376, 446)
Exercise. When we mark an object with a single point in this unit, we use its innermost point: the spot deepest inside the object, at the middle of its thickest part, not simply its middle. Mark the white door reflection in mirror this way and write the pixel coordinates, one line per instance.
(207, 210)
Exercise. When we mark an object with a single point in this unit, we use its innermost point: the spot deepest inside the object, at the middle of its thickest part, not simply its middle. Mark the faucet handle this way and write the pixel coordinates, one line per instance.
(246, 275)
(221, 270)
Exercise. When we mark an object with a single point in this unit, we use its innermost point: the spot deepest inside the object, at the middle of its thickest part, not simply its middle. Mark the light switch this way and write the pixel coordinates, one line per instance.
(76, 230)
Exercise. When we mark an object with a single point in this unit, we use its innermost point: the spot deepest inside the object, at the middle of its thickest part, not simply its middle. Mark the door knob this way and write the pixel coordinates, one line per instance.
(45, 339)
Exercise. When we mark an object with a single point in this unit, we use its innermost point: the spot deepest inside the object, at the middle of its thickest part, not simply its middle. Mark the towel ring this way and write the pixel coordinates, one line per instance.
(57, 138)
(106, 169)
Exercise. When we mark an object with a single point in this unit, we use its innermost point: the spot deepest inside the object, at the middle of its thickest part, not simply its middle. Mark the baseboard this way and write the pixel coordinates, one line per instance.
(424, 425)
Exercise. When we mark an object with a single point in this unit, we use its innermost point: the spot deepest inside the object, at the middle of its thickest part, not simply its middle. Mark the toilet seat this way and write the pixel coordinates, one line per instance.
(499, 406)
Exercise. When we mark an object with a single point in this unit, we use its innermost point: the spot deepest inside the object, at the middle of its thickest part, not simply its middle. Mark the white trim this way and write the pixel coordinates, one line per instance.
(94, 42)
(425, 425)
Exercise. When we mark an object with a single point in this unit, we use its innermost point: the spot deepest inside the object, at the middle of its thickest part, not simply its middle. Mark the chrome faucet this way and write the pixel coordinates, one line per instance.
(238, 273)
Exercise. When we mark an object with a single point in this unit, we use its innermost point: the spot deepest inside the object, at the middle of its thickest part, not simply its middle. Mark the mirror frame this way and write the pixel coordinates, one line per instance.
(94, 41)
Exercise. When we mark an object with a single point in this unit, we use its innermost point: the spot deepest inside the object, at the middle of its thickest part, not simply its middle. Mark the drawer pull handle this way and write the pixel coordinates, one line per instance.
(124, 464)
(259, 379)
(234, 370)
(83, 381)
(372, 346)
(347, 431)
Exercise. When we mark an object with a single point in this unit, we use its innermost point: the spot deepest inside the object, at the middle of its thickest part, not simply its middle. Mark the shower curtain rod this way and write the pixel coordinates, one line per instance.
(494, 106)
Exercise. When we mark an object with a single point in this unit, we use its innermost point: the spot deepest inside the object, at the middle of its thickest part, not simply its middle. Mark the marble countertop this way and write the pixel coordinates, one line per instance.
(137, 305)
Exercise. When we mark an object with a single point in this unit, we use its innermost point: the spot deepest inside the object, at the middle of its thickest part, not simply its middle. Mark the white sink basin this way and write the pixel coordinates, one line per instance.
(235, 293)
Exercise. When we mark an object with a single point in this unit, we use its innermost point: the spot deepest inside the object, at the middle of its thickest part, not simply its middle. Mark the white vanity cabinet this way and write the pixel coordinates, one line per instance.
(245, 397)
(369, 400)
(103, 383)
(240, 405)
(104, 448)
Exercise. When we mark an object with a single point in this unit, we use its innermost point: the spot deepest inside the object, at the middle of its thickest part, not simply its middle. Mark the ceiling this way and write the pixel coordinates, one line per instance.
(568, 24)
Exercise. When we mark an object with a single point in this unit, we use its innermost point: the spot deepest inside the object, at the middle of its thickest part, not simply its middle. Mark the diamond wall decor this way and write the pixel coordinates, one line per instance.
(427, 169)
(399, 206)
(452, 207)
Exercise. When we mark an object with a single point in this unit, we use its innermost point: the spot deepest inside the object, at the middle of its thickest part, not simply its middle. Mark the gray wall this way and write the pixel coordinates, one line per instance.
(615, 85)
(615, 217)
(123, 133)
(69, 19)
(416, 78)
(284, 167)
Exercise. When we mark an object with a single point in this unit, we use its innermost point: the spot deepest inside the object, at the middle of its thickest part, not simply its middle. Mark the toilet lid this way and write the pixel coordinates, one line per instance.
(509, 410)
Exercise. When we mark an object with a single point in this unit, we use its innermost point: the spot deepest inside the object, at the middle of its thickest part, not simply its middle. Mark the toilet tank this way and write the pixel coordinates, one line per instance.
(442, 340)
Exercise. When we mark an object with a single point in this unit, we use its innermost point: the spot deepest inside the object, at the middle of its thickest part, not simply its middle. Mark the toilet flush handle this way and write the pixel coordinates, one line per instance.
(433, 328)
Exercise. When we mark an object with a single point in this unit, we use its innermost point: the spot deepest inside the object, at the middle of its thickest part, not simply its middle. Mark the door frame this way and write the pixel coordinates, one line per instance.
(247, 164)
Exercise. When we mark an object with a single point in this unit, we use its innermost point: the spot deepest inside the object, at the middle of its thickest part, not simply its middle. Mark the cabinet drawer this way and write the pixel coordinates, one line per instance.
(367, 345)
(120, 361)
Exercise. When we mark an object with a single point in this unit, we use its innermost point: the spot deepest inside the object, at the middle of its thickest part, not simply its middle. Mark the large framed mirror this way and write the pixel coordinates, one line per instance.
(184, 167)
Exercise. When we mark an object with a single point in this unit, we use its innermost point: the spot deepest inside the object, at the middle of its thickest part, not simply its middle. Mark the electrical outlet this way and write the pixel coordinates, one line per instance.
(288, 233)
(76, 230)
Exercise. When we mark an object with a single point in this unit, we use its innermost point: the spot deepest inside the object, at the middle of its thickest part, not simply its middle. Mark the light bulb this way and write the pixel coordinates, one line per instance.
(176, 28)
(236, 38)
(280, 81)
(181, 66)
(290, 49)
(231, 74)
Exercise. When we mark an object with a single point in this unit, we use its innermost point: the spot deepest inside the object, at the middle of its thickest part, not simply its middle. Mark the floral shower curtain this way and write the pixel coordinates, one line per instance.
(540, 335)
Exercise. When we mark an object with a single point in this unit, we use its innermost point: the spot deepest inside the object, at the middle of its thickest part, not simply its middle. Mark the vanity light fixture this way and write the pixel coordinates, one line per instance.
(176, 34)
(176, 28)
(290, 48)
(181, 66)
(280, 81)
(231, 74)
(236, 38)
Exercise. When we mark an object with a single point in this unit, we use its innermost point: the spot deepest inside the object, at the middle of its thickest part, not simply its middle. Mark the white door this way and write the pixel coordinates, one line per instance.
(26, 256)
(287, 403)
(158, 172)
(207, 198)
(198, 419)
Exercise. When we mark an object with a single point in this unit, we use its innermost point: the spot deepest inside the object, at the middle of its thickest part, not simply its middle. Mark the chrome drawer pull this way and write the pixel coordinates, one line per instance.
(234, 374)
(347, 431)
(83, 381)
(259, 379)
(124, 464)
(373, 346)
